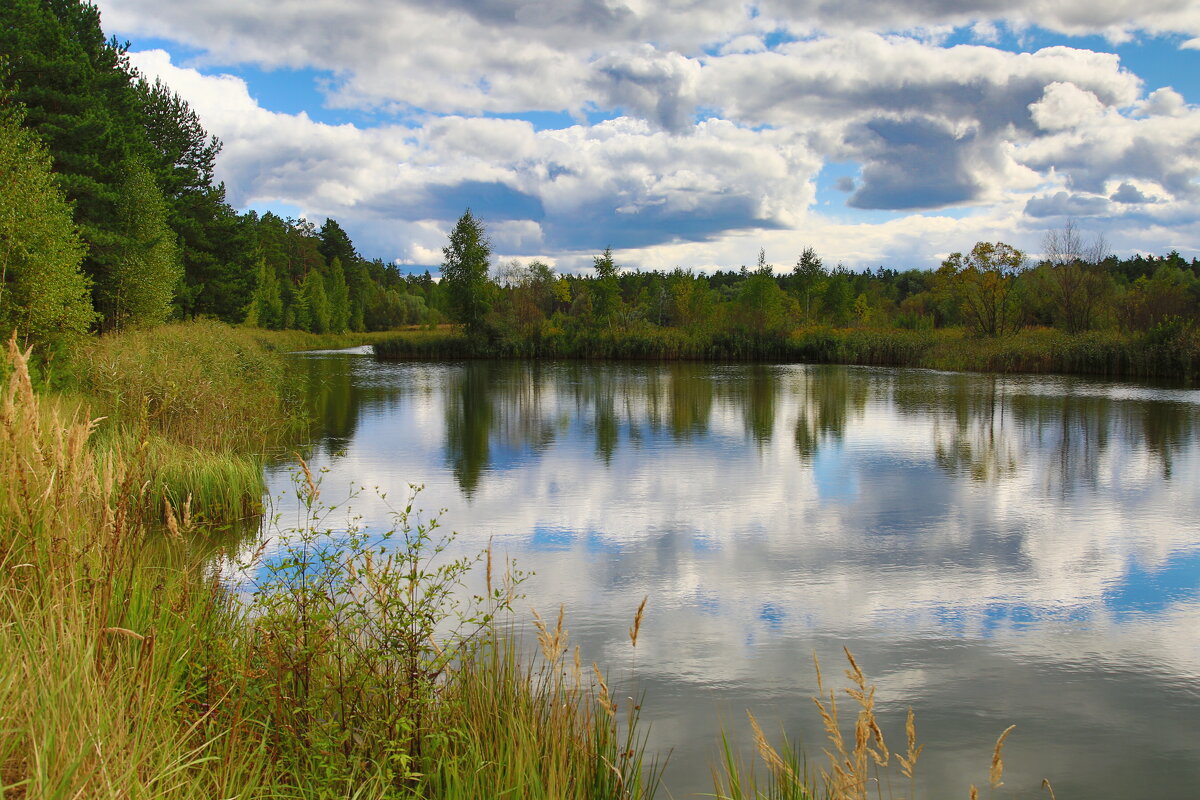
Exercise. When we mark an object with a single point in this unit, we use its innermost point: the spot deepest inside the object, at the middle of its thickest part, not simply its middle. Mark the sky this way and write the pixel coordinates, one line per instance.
(692, 133)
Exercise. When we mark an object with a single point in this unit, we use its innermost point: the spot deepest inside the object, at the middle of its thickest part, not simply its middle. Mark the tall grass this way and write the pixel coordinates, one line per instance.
(290, 341)
(129, 670)
(200, 384)
(94, 640)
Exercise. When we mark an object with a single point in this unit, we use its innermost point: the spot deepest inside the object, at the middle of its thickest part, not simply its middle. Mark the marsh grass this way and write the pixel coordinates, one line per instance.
(1171, 350)
(200, 384)
(291, 341)
(129, 669)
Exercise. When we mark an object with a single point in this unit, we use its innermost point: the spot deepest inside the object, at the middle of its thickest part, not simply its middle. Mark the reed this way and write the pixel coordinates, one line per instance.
(860, 765)
(200, 384)
(1171, 350)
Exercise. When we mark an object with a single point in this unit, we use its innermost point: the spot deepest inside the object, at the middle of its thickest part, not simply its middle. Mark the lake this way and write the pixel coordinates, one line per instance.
(995, 550)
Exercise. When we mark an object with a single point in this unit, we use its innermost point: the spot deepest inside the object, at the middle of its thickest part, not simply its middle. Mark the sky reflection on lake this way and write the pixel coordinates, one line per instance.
(996, 550)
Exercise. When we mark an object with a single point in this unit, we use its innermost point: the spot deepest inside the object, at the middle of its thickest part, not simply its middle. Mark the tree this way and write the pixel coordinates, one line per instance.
(465, 273)
(315, 304)
(339, 297)
(983, 283)
(1073, 277)
(146, 270)
(78, 90)
(761, 306)
(43, 293)
(807, 276)
(266, 304)
(606, 293)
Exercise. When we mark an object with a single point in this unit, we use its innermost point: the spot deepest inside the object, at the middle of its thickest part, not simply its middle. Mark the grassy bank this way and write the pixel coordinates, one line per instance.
(1171, 350)
(291, 341)
(129, 669)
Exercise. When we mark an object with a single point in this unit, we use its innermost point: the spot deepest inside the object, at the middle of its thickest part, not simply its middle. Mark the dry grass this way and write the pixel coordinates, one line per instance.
(857, 769)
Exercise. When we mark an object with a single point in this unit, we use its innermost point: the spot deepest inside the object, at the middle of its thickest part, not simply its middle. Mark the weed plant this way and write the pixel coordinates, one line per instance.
(858, 767)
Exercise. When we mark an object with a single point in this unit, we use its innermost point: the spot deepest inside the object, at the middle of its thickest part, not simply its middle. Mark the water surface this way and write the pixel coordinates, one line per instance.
(994, 549)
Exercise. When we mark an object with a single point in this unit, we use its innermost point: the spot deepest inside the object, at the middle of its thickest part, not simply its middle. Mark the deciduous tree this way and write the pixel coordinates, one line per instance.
(983, 283)
(43, 294)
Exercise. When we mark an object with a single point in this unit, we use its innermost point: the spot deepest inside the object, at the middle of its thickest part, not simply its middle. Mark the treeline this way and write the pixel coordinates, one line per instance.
(1140, 308)
(110, 215)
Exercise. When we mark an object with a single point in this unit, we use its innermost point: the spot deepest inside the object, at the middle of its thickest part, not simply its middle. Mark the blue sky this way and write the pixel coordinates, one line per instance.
(693, 133)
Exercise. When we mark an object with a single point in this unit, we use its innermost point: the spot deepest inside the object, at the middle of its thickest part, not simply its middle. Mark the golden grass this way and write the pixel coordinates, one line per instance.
(855, 771)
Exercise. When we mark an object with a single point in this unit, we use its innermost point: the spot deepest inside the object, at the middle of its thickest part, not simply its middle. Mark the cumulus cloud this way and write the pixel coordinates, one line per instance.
(717, 139)
(579, 187)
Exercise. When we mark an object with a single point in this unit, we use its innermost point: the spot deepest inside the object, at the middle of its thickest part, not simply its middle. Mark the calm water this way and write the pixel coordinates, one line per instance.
(995, 550)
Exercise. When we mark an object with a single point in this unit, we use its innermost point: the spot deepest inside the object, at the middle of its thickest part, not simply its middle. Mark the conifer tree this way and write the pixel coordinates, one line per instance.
(338, 294)
(266, 304)
(315, 303)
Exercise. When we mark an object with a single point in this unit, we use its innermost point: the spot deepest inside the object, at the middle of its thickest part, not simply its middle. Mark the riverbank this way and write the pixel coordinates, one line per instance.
(130, 669)
(1171, 351)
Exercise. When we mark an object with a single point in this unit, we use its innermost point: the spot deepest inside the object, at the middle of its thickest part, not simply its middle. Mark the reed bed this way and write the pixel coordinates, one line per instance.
(201, 384)
(1171, 350)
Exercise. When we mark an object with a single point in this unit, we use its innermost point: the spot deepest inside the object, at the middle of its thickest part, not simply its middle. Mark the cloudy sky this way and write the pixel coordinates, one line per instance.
(693, 132)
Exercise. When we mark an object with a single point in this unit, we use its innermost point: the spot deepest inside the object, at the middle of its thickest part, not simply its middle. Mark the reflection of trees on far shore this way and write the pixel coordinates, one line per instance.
(469, 396)
(989, 426)
(985, 427)
(827, 396)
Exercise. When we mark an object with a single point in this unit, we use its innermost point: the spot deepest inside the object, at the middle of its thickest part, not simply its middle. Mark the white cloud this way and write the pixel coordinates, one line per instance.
(928, 126)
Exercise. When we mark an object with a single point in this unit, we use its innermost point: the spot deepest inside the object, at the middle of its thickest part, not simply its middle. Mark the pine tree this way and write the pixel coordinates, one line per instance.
(266, 304)
(338, 294)
(315, 304)
(78, 90)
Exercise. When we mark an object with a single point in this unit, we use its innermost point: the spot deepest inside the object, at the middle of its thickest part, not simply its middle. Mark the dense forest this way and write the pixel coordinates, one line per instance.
(110, 217)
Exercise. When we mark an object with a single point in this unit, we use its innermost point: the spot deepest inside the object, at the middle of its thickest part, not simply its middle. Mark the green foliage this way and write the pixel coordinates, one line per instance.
(984, 285)
(355, 633)
(266, 304)
(43, 294)
(313, 311)
(465, 273)
(202, 384)
(78, 92)
(606, 292)
(338, 294)
(146, 270)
